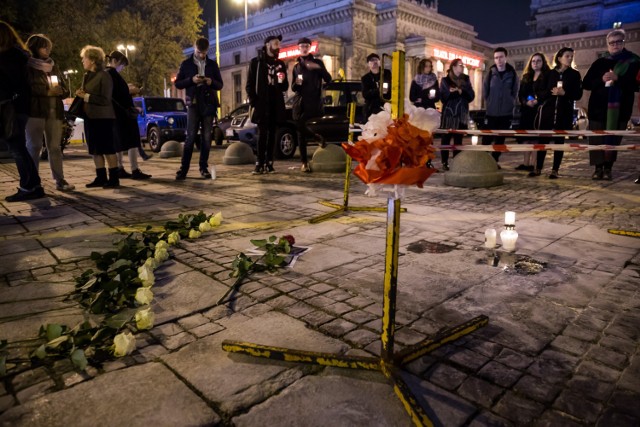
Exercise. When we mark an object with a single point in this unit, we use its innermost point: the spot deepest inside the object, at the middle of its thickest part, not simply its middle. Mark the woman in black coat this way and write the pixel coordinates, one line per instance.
(457, 93)
(126, 133)
(424, 91)
(564, 86)
(532, 84)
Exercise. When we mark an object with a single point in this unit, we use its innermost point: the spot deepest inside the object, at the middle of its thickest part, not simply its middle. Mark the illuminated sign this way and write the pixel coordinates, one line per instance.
(450, 56)
(294, 52)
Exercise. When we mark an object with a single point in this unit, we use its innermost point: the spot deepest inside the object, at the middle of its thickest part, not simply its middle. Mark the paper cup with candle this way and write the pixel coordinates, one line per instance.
(54, 81)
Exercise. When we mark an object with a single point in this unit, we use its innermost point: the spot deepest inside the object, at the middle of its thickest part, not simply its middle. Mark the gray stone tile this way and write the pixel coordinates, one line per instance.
(520, 411)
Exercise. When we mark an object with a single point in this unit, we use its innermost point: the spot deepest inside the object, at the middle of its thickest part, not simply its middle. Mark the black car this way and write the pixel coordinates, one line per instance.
(221, 127)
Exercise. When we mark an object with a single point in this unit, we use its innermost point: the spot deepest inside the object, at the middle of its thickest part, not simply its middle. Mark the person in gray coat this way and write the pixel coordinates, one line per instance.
(500, 91)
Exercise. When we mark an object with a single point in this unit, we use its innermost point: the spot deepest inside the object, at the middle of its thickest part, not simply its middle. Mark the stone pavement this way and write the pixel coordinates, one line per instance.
(561, 347)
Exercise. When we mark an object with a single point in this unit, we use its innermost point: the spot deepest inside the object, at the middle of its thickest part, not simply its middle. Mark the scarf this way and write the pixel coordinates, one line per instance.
(201, 64)
(44, 65)
(623, 60)
(425, 81)
(458, 81)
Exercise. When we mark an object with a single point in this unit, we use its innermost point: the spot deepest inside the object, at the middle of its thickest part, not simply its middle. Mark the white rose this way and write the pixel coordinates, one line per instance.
(144, 296)
(204, 227)
(161, 255)
(123, 344)
(151, 263)
(145, 274)
(216, 219)
(162, 245)
(144, 319)
(174, 238)
(194, 234)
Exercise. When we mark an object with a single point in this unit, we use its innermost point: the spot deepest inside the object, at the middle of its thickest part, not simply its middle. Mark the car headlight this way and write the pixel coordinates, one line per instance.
(171, 120)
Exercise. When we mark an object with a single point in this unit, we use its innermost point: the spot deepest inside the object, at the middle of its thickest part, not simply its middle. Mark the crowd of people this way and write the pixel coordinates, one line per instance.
(32, 92)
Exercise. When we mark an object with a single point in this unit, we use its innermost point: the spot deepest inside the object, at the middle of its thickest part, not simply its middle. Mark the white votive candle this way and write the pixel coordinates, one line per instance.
(560, 83)
(510, 218)
(474, 140)
(432, 93)
(490, 238)
(54, 81)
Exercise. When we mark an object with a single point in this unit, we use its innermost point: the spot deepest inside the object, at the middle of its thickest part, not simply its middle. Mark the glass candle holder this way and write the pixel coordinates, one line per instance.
(509, 238)
(490, 238)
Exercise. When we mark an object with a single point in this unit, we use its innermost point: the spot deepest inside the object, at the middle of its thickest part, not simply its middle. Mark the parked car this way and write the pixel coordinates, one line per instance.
(331, 127)
(161, 120)
(478, 120)
(221, 127)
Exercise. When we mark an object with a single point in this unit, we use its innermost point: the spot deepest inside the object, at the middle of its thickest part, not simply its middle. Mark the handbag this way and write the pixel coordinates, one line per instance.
(8, 119)
(296, 107)
(76, 108)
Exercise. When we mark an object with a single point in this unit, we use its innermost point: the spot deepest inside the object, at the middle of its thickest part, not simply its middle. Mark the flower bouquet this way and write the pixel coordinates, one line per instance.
(392, 154)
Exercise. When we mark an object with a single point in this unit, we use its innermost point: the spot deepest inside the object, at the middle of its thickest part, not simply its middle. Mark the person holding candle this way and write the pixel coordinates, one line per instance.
(564, 86)
(457, 93)
(612, 80)
(306, 80)
(533, 82)
(47, 111)
(424, 91)
(373, 98)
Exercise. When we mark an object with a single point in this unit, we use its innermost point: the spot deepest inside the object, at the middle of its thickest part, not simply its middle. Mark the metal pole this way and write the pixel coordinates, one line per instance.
(218, 56)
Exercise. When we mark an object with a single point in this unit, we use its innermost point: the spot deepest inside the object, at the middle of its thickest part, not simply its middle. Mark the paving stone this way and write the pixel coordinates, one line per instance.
(468, 359)
(553, 366)
(338, 295)
(601, 372)
(206, 329)
(626, 402)
(570, 345)
(613, 417)
(281, 302)
(319, 301)
(321, 288)
(317, 318)
(114, 390)
(500, 374)
(193, 321)
(375, 324)
(338, 327)
(343, 400)
(576, 405)
(618, 344)
(591, 387)
(445, 376)
(552, 418)
(339, 308)
(302, 294)
(6, 402)
(36, 390)
(361, 337)
(487, 419)
(405, 336)
(149, 353)
(513, 359)
(176, 341)
(608, 357)
(264, 294)
(480, 391)
(359, 316)
(287, 286)
(166, 330)
(536, 389)
(359, 301)
(582, 334)
(485, 348)
(515, 408)
(257, 309)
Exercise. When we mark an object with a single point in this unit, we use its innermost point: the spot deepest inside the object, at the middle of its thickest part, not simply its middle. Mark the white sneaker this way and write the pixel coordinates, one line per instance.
(65, 186)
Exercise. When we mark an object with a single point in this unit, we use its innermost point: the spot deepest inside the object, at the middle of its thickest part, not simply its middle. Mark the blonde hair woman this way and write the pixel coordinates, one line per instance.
(96, 91)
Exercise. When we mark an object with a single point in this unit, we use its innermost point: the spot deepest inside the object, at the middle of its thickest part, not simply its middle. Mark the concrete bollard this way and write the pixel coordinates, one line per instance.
(332, 158)
(473, 169)
(238, 153)
(171, 149)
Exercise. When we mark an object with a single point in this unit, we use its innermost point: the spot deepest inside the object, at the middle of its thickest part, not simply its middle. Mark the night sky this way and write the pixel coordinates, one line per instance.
(495, 20)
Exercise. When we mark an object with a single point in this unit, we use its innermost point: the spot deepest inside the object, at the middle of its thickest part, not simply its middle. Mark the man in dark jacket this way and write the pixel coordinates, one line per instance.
(500, 91)
(374, 101)
(200, 77)
(306, 81)
(612, 82)
(265, 86)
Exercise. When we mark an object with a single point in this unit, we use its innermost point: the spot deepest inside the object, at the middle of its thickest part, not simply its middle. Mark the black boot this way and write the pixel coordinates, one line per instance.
(114, 178)
(598, 173)
(637, 181)
(101, 178)
(606, 174)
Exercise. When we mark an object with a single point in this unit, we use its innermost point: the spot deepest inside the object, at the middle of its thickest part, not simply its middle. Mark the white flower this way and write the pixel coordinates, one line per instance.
(194, 234)
(151, 263)
(161, 255)
(162, 245)
(144, 319)
(204, 227)
(123, 344)
(144, 296)
(174, 238)
(428, 119)
(145, 274)
(216, 219)
(376, 126)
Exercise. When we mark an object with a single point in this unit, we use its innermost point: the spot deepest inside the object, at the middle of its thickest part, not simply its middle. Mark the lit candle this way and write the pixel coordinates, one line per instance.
(509, 218)
(300, 78)
(54, 81)
(432, 93)
(474, 140)
(490, 238)
(385, 87)
(509, 238)
(560, 83)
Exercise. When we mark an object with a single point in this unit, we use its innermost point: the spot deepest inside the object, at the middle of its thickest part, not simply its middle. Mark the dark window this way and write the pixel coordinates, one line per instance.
(582, 28)
(236, 58)
(565, 30)
(237, 89)
(519, 65)
(548, 32)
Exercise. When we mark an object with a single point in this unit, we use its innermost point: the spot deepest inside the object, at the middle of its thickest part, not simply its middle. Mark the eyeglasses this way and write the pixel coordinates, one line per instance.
(616, 42)
(536, 60)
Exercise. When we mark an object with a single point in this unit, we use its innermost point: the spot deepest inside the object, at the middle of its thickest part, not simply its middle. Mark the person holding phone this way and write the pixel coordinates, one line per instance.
(200, 77)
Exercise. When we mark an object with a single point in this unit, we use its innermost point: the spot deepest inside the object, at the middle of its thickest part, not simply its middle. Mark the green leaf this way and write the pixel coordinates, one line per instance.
(3, 366)
(40, 352)
(57, 342)
(53, 331)
(79, 359)
(119, 263)
(89, 283)
(120, 319)
(261, 243)
(272, 239)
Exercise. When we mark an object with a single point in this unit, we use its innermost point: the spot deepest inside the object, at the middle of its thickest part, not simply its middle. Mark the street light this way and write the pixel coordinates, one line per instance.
(126, 48)
(67, 74)
(246, 17)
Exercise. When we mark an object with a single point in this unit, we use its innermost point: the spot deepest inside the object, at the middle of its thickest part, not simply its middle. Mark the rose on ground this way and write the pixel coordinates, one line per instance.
(145, 318)
(216, 220)
(204, 227)
(123, 344)
(145, 274)
(194, 234)
(173, 238)
(161, 255)
(289, 238)
(162, 245)
(144, 296)
(151, 263)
